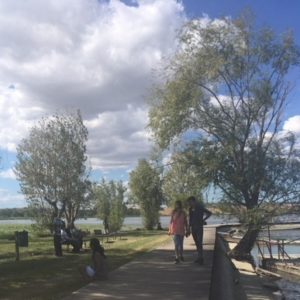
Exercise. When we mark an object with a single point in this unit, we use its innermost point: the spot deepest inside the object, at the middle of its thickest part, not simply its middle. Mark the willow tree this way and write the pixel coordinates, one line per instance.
(226, 89)
(145, 187)
(181, 179)
(51, 168)
(110, 205)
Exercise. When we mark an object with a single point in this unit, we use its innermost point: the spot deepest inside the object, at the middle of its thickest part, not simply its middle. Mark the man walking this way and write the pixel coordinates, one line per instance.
(198, 215)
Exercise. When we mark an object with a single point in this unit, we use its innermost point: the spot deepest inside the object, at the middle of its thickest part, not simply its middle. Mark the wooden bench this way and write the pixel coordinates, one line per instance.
(99, 234)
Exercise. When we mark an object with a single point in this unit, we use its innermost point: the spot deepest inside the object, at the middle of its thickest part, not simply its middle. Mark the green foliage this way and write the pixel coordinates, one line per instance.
(27, 213)
(181, 180)
(43, 216)
(51, 167)
(110, 203)
(145, 186)
(15, 213)
(228, 83)
(117, 213)
(227, 88)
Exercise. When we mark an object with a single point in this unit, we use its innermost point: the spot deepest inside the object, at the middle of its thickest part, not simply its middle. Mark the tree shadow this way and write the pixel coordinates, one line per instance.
(154, 275)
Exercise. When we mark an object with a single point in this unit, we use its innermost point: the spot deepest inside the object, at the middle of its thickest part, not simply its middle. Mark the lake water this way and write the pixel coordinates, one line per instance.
(292, 250)
(135, 222)
(289, 287)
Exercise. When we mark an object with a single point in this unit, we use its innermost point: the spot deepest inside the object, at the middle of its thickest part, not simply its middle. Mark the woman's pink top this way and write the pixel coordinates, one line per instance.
(178, 223)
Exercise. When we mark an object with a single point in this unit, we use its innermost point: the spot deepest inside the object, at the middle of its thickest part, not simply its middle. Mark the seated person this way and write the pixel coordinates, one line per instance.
(77, 234)
(67, 239)
(98, 269)
(159, 226)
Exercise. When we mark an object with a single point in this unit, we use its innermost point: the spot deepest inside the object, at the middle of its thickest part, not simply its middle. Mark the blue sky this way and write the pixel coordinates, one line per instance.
(99, 56)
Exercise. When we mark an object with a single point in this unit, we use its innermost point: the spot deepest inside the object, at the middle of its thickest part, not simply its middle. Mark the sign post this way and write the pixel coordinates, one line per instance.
(21, 240)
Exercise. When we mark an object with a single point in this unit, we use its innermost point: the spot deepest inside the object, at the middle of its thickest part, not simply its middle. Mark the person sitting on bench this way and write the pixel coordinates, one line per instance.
(68, 239)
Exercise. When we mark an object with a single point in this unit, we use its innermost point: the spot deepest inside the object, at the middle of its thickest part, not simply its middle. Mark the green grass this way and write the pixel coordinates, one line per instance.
(41, 275)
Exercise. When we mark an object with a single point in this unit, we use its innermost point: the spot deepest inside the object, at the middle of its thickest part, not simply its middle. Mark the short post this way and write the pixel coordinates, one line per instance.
(21, 240)
(278, 249)
(269, 236)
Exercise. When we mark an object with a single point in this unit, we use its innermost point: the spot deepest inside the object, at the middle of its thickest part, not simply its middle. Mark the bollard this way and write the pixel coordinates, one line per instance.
(21, 240)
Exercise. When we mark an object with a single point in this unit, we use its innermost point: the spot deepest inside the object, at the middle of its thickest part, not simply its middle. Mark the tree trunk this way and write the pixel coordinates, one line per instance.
(70, 220)
(242, 250)
(71, 225)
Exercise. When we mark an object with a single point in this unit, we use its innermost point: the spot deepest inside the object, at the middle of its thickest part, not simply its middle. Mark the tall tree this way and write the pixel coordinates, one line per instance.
(227, 86)
(117, 215)
(110, 203)
(181, 180)
(51, 166)
(145, 186)
(103, 198)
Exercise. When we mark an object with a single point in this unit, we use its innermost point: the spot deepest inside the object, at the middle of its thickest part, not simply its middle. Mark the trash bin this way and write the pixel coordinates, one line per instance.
(22, 238)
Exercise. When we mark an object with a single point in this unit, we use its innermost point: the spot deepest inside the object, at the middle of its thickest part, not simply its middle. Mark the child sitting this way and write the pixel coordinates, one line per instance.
(98, 269)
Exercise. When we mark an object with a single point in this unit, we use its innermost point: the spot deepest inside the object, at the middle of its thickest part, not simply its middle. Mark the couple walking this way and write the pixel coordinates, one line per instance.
(180, 227)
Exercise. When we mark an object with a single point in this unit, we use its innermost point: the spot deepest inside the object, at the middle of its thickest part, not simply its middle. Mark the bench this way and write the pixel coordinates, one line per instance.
(99, 234)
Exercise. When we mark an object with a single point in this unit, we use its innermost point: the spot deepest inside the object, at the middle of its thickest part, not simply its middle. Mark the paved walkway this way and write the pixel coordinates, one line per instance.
(155, 276)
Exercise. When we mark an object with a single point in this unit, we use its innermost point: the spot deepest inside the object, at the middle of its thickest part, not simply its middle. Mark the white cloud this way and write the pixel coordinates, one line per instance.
(9, 200)
(293, 125)
(7, 174)
(97, 56)
(17, 115)
(120, 138)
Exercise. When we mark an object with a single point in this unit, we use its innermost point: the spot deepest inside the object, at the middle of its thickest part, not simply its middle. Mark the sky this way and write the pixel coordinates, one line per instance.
(101, 57)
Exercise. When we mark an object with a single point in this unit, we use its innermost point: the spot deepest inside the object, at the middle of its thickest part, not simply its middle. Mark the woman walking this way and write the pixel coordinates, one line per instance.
(178, 227)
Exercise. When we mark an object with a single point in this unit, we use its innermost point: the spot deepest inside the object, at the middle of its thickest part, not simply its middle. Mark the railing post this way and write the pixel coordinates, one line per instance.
(270, 244)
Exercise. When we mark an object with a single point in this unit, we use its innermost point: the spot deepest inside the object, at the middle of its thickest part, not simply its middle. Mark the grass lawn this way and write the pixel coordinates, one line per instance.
(41, 275)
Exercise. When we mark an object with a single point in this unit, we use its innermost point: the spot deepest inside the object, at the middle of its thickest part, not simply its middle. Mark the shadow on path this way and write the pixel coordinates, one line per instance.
(155, 276)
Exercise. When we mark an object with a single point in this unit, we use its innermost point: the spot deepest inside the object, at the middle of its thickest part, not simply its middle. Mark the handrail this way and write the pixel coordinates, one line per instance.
(275, 241)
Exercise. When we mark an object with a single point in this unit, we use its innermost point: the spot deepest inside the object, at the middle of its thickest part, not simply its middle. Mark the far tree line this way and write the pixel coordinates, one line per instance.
(27, 213)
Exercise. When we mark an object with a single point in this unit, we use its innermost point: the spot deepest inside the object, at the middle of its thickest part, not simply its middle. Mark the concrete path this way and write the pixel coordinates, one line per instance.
(155, 276)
